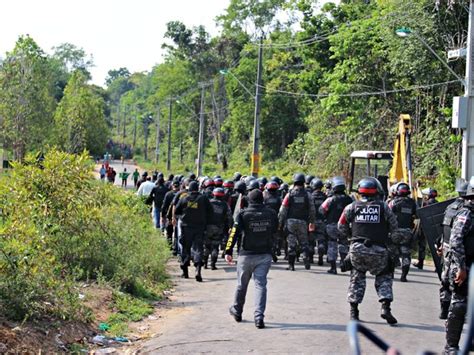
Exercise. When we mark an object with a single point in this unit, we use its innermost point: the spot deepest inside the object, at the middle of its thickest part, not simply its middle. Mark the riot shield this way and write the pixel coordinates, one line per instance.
(431, 219)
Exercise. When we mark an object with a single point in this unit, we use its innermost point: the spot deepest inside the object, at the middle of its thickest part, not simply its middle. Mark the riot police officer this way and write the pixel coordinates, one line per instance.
(404, 207)
(332, 209)
(272, 199)
(298, 215)
(319, 234)
(367, 224)
(460, 255)
(195, 211)
(443, 245)
(219, 222)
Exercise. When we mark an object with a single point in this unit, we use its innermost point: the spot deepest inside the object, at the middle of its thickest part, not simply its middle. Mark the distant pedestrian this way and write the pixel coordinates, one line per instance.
(255, 226)
(124, 176)
(102, 172)
(135, 177)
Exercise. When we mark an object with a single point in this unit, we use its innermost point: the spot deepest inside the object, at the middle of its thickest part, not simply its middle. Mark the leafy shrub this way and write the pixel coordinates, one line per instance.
(58, 224)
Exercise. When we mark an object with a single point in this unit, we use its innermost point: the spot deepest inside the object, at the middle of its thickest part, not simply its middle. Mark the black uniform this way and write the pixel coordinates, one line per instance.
(195, 211)
(220, 221)
(318, 238)
(167, 214)
(273, 200)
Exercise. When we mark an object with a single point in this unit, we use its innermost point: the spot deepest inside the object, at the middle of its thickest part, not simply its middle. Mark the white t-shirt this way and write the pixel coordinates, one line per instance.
(145, 188)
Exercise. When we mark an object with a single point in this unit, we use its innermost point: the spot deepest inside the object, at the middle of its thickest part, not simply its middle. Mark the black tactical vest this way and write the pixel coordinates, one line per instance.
(338, 203)
(272, 200)
(298, 207)
(318, 198)
(257, 229)
(219, 209)
(369, 221)
(451, 212)
(404, 208)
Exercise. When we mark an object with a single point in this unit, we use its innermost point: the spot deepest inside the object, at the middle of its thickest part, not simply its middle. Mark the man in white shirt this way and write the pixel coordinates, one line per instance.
(145, 188)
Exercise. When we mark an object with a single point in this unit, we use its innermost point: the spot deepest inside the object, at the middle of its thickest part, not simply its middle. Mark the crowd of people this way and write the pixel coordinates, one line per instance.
(310, 222)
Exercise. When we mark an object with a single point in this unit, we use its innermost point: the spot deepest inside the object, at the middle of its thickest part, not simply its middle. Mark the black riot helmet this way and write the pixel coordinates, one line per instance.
(368, 186)
(298, 179)
(403, 189)
(237, 176)
(338, 184)
(253, 184)
(308, 179)
(240, 187)
(193, 186)
(317, 183)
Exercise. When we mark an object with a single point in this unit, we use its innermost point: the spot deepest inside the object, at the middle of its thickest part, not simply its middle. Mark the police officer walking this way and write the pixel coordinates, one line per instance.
(220, 221)
(195, 211)
(443, 245)
(332, 209)
(319, 236)
(460, 255)
(272, 199)
(297, 213)
(255, 226)
(367, 224)
(404, 207)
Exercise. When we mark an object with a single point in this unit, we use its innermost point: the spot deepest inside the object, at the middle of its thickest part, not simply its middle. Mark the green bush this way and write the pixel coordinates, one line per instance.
(58, 224)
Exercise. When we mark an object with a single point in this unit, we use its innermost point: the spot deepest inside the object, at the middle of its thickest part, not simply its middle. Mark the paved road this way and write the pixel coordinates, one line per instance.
(118, 166)
(306, 313)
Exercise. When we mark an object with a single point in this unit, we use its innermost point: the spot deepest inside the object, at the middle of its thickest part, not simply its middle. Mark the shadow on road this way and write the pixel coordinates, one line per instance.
(423, 327)
(306, 326)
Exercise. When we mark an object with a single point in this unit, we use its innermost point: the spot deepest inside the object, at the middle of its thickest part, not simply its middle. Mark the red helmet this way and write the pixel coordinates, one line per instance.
(272, 186)
(228, 184)
(208, 183)
(218, 182)
(403, 189)
(218, 192)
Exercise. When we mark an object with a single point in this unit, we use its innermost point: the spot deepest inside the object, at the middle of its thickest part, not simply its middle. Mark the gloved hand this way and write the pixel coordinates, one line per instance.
(346, 264)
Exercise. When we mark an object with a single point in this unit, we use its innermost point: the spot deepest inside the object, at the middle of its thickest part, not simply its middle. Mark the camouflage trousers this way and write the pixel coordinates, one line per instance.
(297, 235)
(373, 259)
(335, 243)
(445, 289)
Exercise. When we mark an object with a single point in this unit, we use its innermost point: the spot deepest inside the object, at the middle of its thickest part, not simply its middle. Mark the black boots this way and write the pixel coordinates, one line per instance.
(454, 326)
(214, 256)
(198, 273)
(444, 310)
(419, 264)
(307, 263)
(291, 263)
(333, 269)
(387, 314)
(185, 274)
(320, 259)
(405, 270)
(354, 311)
(259, 323)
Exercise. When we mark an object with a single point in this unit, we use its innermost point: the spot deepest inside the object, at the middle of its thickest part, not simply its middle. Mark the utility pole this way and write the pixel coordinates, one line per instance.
(146, 123)
(467, 160)
(256, 123)
(201, 131)
(135, 129)
(157, 150)
(168, 162)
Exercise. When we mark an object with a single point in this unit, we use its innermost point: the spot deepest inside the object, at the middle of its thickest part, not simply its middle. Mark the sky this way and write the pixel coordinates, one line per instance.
(118, 33)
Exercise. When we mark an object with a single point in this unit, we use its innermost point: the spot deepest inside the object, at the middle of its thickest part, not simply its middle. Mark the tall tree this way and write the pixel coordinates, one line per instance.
(26, 100)
(80, 120)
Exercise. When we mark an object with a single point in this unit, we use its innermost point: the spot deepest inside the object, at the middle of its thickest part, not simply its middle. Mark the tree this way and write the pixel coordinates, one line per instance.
(80, 120)
(26, 98)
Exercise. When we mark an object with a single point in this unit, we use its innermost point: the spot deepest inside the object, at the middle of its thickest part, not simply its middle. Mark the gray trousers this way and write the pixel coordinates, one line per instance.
(258, 266)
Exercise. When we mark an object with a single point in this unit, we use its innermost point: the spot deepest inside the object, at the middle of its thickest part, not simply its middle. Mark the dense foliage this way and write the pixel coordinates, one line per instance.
(336, 78)
(59, 225)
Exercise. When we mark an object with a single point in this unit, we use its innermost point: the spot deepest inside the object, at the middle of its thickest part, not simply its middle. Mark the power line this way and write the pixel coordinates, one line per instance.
(359, 94)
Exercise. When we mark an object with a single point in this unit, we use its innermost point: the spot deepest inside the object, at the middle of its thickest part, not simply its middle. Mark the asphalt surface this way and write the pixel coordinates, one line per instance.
(307, 313)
